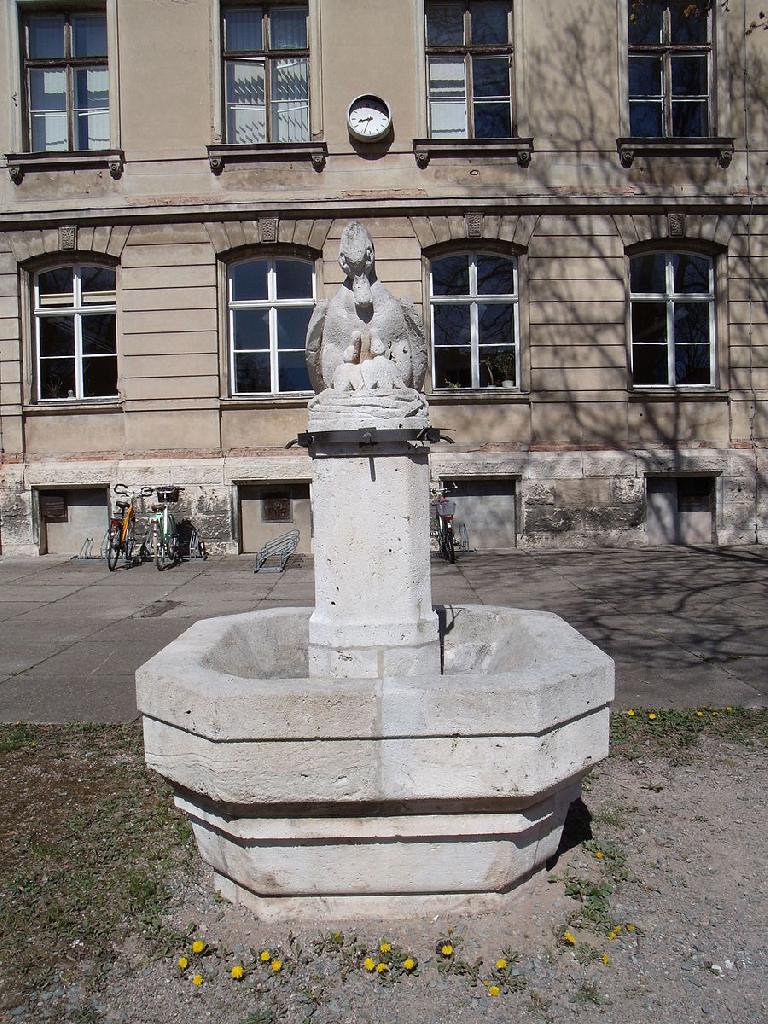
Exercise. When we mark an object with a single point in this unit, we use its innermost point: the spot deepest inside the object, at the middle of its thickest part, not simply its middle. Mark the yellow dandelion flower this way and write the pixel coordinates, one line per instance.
(409, 964)
(369, 964)
(182, 963)
(631, 713)
(630, 927)
(277, 966)
(385, 947)
(501, 964)
(198, 946)
(447, 949)
(568, 939)
(380, 968)
(265, 956)
(237, 972)
(652, 715)
(613, 933)
(699, 714)
(494, 990)
(197, 980)
(599, 855)
(729, 709)
(606, 959)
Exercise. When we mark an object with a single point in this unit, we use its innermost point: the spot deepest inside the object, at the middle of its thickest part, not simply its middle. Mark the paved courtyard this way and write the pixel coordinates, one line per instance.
(686, 626)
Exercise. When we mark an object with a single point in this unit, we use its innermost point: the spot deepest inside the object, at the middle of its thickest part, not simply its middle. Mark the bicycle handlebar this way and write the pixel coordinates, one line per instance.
(143, 492)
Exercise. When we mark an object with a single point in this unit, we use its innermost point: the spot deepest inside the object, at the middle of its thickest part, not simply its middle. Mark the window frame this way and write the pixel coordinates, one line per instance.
(69, 64)
(666, 50)
(272, 303)
(266, 55)
(467, 49)
(473, 300)
(669, 297)
(77, 311)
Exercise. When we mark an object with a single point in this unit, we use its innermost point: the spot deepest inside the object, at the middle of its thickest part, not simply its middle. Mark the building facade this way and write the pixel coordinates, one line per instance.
(573, 195)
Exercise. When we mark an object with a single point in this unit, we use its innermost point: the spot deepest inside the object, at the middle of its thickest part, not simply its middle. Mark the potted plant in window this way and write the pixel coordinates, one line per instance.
(501, 369)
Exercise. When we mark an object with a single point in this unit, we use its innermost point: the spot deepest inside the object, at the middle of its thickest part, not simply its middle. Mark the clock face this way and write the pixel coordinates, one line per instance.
(369, 118)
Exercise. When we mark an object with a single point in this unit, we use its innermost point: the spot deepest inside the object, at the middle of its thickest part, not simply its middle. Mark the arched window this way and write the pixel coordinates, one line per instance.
(474, 316)
(672, 296)
(270, 302)
(75, 332)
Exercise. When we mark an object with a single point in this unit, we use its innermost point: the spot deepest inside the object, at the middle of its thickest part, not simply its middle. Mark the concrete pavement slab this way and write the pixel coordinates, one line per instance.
(686, 626)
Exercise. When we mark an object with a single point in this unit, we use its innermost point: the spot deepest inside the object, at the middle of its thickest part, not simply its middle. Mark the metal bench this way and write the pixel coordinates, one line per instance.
(273, 557)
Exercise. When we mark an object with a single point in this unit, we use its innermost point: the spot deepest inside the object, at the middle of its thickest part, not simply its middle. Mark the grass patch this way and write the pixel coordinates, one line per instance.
(89, 846)
(668, 732)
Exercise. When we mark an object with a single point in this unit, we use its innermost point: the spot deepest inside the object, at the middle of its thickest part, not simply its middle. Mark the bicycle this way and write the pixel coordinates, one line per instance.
(120, 538)
(161, 530)
(442, 524)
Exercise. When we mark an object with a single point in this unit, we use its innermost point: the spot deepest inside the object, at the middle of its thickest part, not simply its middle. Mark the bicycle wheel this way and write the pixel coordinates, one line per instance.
(113, 548)
(128, 546)
(159, 545)
(174, 556)
(449, 548)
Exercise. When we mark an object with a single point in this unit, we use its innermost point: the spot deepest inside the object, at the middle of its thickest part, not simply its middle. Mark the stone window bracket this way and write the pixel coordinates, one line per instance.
(521, 149)
(20, 164)
(719, 147)
(220, 155)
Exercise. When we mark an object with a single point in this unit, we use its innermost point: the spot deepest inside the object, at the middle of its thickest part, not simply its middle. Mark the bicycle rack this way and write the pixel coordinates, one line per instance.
(86, 552)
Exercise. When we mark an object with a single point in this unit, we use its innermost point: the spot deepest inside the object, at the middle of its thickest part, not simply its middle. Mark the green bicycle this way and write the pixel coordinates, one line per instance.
(162, 528)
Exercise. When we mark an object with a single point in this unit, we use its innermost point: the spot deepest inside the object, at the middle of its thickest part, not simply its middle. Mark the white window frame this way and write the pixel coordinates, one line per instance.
(77, 310)
(473, 300)
(669, 297)
(272, 304)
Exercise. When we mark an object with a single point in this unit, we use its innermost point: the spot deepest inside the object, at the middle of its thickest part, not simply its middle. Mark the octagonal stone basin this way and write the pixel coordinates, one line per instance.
(354, 789)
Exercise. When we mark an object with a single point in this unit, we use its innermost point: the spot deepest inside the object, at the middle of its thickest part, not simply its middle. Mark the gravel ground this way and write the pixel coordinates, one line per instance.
(667, 855)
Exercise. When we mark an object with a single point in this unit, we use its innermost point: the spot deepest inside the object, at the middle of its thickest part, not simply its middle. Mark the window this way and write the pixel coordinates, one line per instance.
(670, 69)
(469, 69)
(75, 332)
(673, 317)
(266, 74)
(270, 303)
(473, 300)
(276, 507)
(66, 79)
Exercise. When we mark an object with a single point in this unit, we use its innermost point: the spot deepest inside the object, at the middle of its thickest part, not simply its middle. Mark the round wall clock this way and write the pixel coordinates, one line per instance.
(369, 118)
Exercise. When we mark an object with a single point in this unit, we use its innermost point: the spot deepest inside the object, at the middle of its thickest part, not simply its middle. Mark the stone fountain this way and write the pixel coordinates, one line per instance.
(374, 755)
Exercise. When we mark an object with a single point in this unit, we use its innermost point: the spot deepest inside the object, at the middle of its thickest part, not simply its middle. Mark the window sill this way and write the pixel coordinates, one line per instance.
(65, 406)
(297, 401)
(499, 396)
(719, 147)
(20, 164)
(425, 149)
(220, 156)
(663, 394)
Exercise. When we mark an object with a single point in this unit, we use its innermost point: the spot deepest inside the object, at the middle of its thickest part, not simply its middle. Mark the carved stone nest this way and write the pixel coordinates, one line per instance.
(335, 410)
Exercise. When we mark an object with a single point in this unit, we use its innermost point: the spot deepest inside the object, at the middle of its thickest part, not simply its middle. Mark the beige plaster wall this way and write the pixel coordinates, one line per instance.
(169, 222)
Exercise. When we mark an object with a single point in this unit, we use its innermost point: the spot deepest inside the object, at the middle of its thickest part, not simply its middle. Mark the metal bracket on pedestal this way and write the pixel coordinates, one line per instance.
(368, 437)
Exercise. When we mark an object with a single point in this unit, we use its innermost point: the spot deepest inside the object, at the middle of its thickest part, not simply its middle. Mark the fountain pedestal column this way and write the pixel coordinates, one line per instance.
(373, 612)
